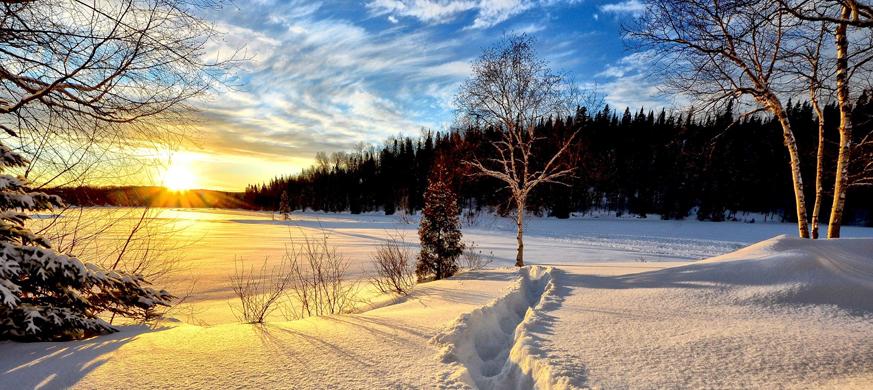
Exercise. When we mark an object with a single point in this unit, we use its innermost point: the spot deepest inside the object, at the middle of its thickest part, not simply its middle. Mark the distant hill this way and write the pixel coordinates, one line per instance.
(153, 196)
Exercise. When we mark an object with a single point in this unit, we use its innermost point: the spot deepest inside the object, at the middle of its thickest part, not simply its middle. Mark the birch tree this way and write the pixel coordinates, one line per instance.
(719, 51)
(843, 14)
(512, 90)
(813, 71)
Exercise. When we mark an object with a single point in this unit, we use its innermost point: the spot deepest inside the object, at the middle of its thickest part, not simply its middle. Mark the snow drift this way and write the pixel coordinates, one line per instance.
(783, 313)
(782, 271)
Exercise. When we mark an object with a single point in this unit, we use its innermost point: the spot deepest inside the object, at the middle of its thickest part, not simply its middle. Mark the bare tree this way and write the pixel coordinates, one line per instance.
(83, 81)
(721, 51)
(512, 90)
(284, 205)
(842, 14)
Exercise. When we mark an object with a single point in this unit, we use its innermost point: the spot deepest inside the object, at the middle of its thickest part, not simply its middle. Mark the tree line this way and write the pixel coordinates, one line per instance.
(674, 165)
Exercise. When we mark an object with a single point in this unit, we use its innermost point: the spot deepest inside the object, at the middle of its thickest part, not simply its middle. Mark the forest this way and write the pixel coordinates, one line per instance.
(672, 165)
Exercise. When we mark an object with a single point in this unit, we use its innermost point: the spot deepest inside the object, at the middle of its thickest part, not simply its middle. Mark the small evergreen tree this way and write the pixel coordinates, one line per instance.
(46, 295)
(284, 205)
(439, 229)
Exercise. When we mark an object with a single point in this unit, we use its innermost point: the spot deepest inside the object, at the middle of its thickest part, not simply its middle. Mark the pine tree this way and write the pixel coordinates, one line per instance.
(284, 205)
(440, 229)
(46, 295)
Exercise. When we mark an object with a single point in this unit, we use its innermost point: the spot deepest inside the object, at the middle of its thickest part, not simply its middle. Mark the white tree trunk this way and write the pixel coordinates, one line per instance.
(841, 182)
(819, 171)
(519, 224)
(797, 179)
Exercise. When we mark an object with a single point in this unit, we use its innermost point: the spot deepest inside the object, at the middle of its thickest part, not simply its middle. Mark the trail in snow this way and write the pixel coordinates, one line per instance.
(492, 347)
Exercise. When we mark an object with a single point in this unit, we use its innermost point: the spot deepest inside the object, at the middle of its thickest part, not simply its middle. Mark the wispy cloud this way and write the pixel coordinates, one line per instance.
(629, 83)
(323, 84)
(633, 7)
(488, 13)
(325, 77)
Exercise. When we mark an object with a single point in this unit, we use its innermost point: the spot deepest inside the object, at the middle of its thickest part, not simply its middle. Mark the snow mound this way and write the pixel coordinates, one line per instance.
(494, 347)
(782, 271)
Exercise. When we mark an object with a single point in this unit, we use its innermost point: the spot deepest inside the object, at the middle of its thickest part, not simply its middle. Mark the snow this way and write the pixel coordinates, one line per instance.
(783, 313)
(608, 303)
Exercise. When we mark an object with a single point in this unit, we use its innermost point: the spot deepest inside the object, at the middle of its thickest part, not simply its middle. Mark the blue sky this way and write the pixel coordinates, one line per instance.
(326, 76)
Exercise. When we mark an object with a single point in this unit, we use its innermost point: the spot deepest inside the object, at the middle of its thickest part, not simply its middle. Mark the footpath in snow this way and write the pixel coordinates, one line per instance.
(492, 346)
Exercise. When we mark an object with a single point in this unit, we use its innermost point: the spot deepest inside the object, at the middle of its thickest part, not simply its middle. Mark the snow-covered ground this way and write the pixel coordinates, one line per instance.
(609, 303)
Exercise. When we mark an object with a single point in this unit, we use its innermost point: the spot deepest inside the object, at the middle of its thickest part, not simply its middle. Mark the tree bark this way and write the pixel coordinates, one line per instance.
(819, 169)
(797, 179)
(519, 224)
(841, 182)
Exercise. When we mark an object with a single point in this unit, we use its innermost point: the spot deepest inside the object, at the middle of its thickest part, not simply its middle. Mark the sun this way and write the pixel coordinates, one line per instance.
(179, 177)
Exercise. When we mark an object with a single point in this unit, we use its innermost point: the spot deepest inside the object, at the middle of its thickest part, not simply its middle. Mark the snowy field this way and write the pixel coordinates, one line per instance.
(608, 303)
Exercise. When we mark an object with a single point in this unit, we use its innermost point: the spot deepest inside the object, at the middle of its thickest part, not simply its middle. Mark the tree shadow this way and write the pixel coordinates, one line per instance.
(59, 364)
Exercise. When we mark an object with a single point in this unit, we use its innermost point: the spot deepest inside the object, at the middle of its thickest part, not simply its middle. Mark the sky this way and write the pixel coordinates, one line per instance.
(328, 76)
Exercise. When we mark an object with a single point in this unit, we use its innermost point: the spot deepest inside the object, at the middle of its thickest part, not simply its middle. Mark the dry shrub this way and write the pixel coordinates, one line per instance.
(394, 267)
(319, 282)
(258, 289)
(474, 258)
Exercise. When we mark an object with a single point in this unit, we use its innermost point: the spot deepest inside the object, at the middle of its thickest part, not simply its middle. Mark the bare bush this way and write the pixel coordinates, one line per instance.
(318, 280)
(474, 258)
(259, 289)
(394, 265)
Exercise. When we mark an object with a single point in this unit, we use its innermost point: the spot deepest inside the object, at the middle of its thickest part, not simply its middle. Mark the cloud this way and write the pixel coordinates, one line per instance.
(493, 12)
(323, 79)
(630, 64)
(530, 28)
(629, 83)
(489, 13)
(633, 7)
(428, 11)
(322, 84)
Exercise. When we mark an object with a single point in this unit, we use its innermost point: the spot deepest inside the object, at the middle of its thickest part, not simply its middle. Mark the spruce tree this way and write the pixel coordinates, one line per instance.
(46, 295)
(440, 229)
(284, 205)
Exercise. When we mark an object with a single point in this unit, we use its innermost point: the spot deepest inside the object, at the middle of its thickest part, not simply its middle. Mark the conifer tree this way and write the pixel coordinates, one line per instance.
(46, 295)
(284, 205)
(440, 229)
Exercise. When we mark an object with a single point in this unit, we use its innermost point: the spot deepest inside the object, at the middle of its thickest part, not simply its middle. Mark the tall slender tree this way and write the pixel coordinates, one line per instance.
(512, 91)
(723, 51)
(843, 14)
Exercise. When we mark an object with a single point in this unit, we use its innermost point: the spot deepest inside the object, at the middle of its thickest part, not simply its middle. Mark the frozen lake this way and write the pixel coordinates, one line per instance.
(207, 242)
